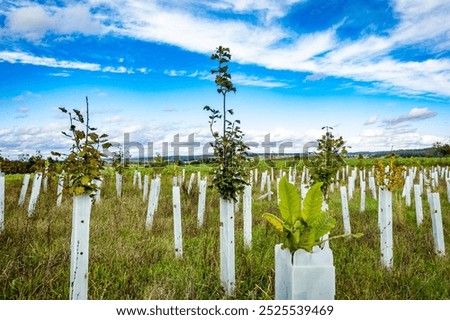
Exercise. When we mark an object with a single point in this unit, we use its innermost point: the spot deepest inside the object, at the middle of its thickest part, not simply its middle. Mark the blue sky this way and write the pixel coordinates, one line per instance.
(378, 72)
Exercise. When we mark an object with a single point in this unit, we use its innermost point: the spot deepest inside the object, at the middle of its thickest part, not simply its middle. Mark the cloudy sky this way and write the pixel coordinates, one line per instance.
(376, 71)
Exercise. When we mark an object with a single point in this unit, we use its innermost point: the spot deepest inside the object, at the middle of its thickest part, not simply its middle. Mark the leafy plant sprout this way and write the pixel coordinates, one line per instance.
(84, 164)
(229, 148)
(302, 228)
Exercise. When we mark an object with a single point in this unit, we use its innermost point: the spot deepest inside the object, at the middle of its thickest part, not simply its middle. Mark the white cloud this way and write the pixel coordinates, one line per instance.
(60, 74)
(371, 120)
(23, 109)
(266, 9)
(33, 22)
(120, 69)
(266, 82)
(175, 73)
(25, 58)
(143, 70)
(415, 114)
(315, 76)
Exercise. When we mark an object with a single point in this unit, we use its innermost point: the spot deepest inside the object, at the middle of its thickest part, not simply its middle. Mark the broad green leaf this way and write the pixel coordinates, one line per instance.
(276, 222)
(323, 224)
(289, 201)
(312, 204)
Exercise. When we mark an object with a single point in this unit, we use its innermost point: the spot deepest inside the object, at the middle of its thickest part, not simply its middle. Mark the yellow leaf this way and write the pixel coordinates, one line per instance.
(79, 191)
(85, 180)
(276, 222)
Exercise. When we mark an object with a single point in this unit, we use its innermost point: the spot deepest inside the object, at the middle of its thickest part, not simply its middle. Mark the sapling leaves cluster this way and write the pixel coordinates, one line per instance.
(84, 163)
(390, 177)
(302, 227)
(328, 159)
(229, 148)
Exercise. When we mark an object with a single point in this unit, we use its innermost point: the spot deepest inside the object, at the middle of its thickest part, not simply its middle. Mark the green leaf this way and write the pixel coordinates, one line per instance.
(312, 204)
(323, 224)
(276, 222)
(289, 201)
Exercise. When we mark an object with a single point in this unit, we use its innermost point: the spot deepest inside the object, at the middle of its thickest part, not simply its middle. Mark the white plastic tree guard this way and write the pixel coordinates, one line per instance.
(191, 183)
(227, 247)
(24, 189)
(237, 203)
(421, 181)
(37, 181)
(372, 187)
(98, 192)
(174, 181)
(406, 193)
(351, 186)
(436, 220)
(135, 174)
(263, 181)
(304, 275)
(178, 236)
(247, 216)
(345, 211)
(45, 180)
(139, 180)
(59, 189)
(385, 223)
(448, 190)
(362, 204)
(118, 184)
(145, 188)
(201, 202)
(2, 201)
(153, 202)
(79, 257)
(418, 204)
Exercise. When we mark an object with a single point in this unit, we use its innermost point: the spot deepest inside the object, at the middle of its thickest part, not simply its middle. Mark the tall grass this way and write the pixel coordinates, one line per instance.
(129, 262)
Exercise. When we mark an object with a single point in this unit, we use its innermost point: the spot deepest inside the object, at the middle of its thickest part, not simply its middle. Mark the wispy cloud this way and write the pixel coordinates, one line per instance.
(414, 114)
(315, 76)
(23, 109)
(175, 73)
(255, 81)
(120, 69)
(60, 74)
(25, 58)
(371, 120)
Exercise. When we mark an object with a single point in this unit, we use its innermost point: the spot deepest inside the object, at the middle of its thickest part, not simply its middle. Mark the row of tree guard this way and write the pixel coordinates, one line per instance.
(82, 206)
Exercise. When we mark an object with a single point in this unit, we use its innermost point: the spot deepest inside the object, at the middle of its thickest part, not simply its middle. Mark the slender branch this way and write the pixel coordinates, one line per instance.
(87, 119)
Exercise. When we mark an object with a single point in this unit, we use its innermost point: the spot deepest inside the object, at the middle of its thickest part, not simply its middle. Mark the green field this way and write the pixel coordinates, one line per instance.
(129, 262)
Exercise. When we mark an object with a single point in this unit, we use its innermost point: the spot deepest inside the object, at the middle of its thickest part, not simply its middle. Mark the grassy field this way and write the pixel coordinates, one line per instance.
(129, 262)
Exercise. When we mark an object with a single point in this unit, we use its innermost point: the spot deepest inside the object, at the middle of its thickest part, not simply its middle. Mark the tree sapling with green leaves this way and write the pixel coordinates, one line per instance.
(328, 159)
(229, 176)
(229, 147)
(83, 167)
(84, 164)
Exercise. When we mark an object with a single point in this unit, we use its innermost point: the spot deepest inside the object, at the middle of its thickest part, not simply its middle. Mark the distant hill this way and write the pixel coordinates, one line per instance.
(426, 152)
